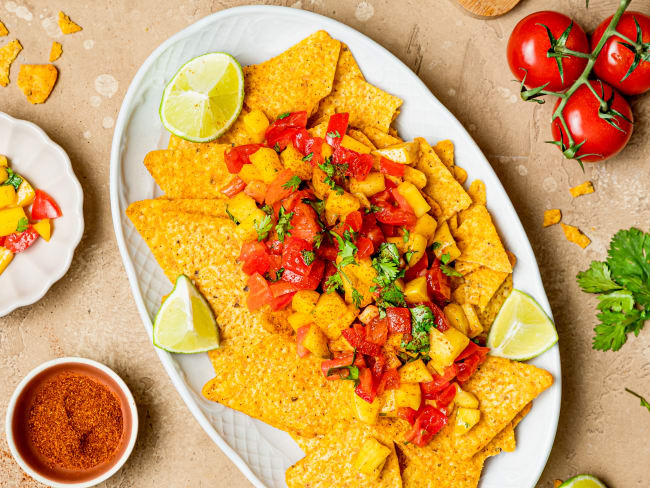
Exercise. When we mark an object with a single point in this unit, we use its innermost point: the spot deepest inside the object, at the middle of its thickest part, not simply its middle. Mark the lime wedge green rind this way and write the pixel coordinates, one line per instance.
(204, 97)
(583, 481)
(521, 330)
(185, 323)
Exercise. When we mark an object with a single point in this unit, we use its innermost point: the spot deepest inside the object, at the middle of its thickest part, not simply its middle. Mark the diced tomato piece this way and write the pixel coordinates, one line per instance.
(275, 246)
(233, 187)
(399, 320)
(306, 282)
(336, 128)
(256, 189)
(407, 413)
(390, 185)
(339, 362)
(384, 196)
(330, 270)
(282, 288)
(277, 191)
(358, 341)
(444, 396)
(259, 292)
(392, 168)
(402, 202)
(18, 242)
(282, 302)
(282, 131)
(301, 333)
(293, 257)
(428, 423)
(468, 366)
(236, 157)
(255, 257)
(44, 207)
(327, 251)
(304, 222)
(366, 388)
(471, 349)
(395, 216)
(294, 119)
(371, 230)
(418, 269)
(354, 220)
(2, 240)
(390, 380)
(377, 365)
(442, 324)
(359, 165)
(438, 285)
(365, 248)
(439, 382)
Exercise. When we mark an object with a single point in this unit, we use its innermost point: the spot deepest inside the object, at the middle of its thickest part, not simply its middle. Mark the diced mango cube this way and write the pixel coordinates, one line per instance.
(3, 174)
(417, 244)
(456, 317)
(44, 228)
(9, 219)
(464, 398)
(316, 342)
(374, 183)
(426, 226)
(338, 206)
(292, 159)
(404, 152)
(415, 199)
(445, 347)
(26, 194)
(304, 301)
(475, 325)
(256, 124)
(7, 196)
(371, 458)
(5, 258)
(332, 315)
(298, 319)
(466, 418)
(415, 290)
(415, 372)
(364, 411)
(415, 176)
(267, 162)
(447, 242)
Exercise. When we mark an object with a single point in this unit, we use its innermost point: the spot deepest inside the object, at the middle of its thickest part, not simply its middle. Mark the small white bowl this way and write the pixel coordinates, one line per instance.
(17, 408)
(47, 167)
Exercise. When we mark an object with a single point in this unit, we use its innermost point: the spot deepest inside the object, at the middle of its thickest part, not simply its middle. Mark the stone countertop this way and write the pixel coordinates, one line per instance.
(91, 312)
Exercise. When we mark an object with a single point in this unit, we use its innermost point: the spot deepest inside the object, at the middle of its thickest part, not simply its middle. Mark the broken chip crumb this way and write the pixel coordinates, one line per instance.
(3, 30)
(582, 189)
(66, 25)
(573, 234)
(37, 81)
(477, 192)
(8, 53)
(460, 174)
(557, 483)
(56, 51)
(552, 216)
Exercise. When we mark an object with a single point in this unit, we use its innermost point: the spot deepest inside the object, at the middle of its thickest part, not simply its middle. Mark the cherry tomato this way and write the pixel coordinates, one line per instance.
(19, 242)
(45, 207)
(237, 157)
(615, 59)
(277, 189)
(259, 292)
(601, 139)
(529, 44)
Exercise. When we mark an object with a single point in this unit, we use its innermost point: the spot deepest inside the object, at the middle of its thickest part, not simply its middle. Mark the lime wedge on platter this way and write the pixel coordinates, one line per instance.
(521, 330)
(583, 481)
(204, 97)
(185, 322)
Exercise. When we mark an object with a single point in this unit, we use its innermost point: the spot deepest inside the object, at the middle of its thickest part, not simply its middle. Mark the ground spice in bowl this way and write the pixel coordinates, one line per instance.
(75, 422)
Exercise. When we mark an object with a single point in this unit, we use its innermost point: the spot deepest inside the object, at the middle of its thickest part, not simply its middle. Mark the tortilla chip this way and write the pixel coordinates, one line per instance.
(477, 192)
(460, 174)
(8, 53)
(203, 248)
(582, 189)
(56, 51)
(380, 139)
(306, 443)
(298, 79)
(37, 81)
(445, 151)
(347, 67)
(490, 312)
(480, 242)
(319, 129)
(66, 25)
(191, 171)
(330, 462)
(441, 185)
(552, 216)
(573, 234)
(479, 286)
(268, 381)
(359, 136)
(463, 267)
(3, 30)
(208, 207)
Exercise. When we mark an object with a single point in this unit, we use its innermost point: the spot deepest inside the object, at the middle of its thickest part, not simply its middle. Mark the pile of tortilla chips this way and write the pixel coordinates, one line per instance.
(257, 370)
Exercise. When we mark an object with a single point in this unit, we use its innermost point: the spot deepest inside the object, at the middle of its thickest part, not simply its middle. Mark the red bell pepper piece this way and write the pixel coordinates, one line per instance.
(255, 257)
(390, 380)
(236, 157)
(438, 285)
(399, 320)
(366, 388)
(259, 292)
(394, 216)
(293, 255)
(336, 129)
(428, 423)
(471, 349)
(277, 190)
(365, 248)
(44, 207)
(306, 282)
(233, 187)
(392, 168)
(304, 222)
(444, 396)
(283, 130)
(18, 242)
(256, 189)
(354, 221)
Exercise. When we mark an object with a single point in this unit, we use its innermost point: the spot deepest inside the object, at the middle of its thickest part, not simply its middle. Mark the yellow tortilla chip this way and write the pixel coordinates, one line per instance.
(208, 207)
(552, 216)
(295, 80)
(441, 184)
(66, 25)
(330, 463)
(582, 189)
(445, 151)
(380, 139)
(8, 53)
(37, 81)
(480, 242)
(490, 312)
(477, 192)
(192, 171)
(3, 30)
(463, 267)
(480, 285)
(359, 136)
(347, 67)
(574, 235)
(460, 174)
(56, 51)
(306, 443)
(268, 381)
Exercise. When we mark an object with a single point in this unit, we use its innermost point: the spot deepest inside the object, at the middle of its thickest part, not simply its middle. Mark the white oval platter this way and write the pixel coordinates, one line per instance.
(253, 34)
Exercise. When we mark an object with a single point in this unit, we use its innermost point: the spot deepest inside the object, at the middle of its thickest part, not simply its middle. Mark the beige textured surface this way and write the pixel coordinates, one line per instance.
(91, 313)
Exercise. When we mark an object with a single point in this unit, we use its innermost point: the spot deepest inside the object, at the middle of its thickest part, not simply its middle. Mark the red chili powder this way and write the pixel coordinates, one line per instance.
(75, 422)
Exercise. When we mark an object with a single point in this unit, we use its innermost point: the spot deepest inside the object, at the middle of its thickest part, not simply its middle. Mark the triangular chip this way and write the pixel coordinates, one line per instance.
(66, 25)
(359, 136)
(445, 151)
(8, 53)
(441, 184)
(347, 67)
(479, 286)
(380, 139)
(330, 462)
(268, 381)
(490, 312)
(3, 30)
(37, 81)
(479, 241)
(207, 206)
(56, 51)
(298, 79)
(192, 171)
(463, 267)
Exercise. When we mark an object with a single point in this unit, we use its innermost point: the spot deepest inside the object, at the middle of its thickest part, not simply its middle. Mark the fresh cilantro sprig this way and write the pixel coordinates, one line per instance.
(644, 402)
(13, 179)
(446, 269)
(388, 270)
(422, 320)
(293, 183)
(623, 285)
(333, 283)
(331, 171)
(347, 253)
(308, 256)
(22, 225)
(263, 227)
(283, 226)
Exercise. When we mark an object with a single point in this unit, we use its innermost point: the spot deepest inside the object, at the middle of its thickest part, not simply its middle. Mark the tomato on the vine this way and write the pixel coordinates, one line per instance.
(529, 45)
(601, 140)
(615, 59)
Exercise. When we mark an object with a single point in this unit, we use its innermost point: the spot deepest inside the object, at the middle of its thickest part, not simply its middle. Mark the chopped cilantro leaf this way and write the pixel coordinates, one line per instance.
(293, 183)
(644, 402)
(277, 148)
(283, 115)
(334, 134)
(449, 271)
(14, 179)
(268, 210)
(308, 157)
(392, 296)
(278, 275)
(436, 245)
(422, 320)
(445, 258)
(263, 227)
(22, 225)
(231, 216)
(284, 224)
(347, 249)
(406, 235)
(408, 255)
(318, 240)
(372, 209)
(334, 283)
(308, 256)
(357, 297)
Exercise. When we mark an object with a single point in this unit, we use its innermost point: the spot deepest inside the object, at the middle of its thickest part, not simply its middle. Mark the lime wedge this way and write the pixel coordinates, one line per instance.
(521, 330)
(583, 481)
(185, 323)
(204, 97)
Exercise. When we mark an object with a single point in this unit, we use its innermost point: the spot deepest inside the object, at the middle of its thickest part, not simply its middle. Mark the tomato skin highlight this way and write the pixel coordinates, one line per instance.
(581, 115)
(614, 59)
(19, 242)
(529, 44)
(44, 207)
(399, 320)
